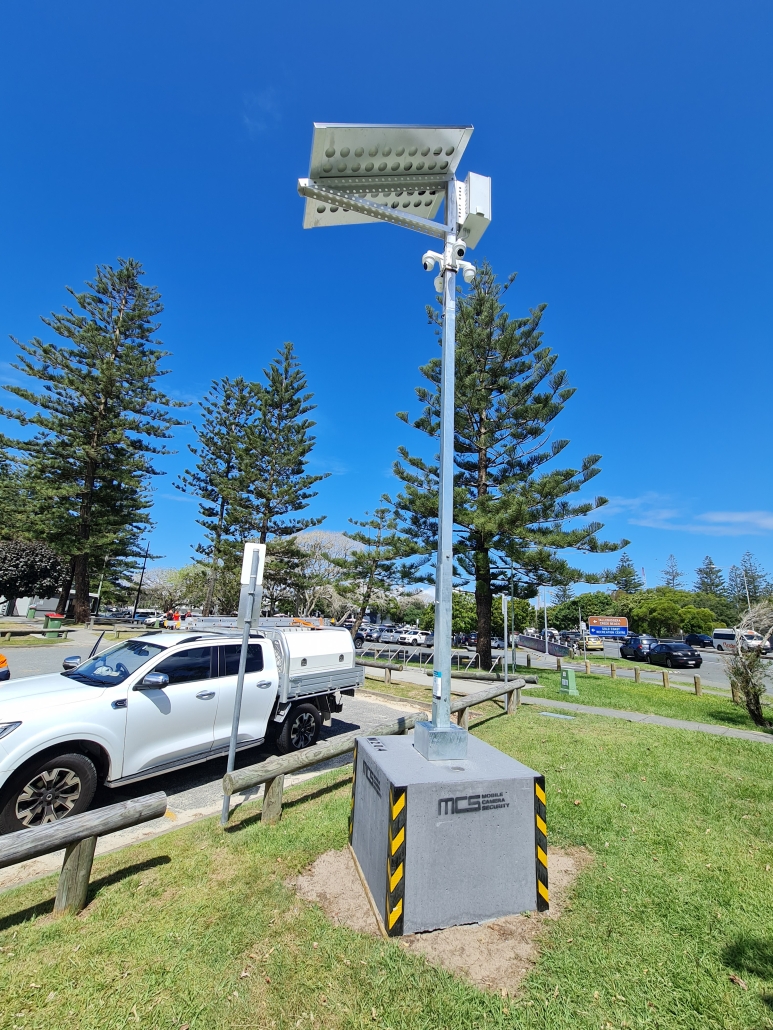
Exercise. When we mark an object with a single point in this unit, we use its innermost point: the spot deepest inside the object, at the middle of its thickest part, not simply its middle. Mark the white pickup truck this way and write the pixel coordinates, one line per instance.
(160, 702)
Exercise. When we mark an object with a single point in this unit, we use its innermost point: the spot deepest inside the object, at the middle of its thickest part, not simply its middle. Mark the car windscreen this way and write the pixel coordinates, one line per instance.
(113, 666)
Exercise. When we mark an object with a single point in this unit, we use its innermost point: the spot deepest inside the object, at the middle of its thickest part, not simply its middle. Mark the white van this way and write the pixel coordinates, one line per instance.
(727, 639)
(724, 639)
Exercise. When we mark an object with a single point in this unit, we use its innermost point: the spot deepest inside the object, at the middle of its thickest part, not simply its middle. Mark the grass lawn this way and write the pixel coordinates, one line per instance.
(198, 928)
(31, 642)
(651, 698)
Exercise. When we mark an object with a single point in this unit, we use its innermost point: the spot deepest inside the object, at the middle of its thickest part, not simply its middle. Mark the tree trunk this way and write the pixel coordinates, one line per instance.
(483, 603)
(81, 576)
(64, 593)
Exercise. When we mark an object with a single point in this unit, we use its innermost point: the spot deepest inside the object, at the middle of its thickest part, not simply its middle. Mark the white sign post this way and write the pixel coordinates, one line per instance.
(504, 619)
(253, 563)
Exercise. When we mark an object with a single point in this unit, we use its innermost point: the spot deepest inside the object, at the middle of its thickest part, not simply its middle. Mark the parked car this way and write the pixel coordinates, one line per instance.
(428, 639)
(471, 641)
(410, 636)
(373, 633)
(590, 643)
(156, 703)
(699, 640)
(637, 647)
(677, 655)
(390, 636)
(728, 639)
(497, 642)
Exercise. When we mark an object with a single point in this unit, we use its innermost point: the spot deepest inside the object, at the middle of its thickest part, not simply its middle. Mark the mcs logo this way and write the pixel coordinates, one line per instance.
(371, 777)
(459, 806)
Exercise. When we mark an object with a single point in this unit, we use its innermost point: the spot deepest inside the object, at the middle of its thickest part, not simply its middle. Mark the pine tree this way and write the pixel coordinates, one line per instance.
(747, 584)
(563, 593)
(624, 576)
(672, 577)
(371, 570)
(708, 578)
(511, 514)
(217, 480)
(99, 418)
(275, 456)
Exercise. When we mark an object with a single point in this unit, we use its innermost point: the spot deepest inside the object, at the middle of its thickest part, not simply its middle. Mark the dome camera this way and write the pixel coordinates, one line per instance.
(429, 260)
(460, 248)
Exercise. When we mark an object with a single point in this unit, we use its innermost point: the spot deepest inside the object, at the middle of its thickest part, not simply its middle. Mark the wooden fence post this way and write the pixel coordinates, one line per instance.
(528, 659)
(613, 670)
(74, 878)
(510, 702)
(665, 678)
(387, 675)
(697, 682)
(637, 675)
(272, 800)
(558, 664)
(587, 667)
(463, 718)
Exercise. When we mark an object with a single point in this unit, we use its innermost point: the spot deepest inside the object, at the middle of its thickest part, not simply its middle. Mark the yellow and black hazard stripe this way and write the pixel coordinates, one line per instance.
(354, 780)
(541, 843)
(395, 885)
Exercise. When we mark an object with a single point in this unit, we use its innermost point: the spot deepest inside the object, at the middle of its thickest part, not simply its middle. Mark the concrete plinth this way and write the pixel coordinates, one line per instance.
(447, 842)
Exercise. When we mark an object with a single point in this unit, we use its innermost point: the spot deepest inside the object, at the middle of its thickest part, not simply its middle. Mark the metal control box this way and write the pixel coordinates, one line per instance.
(447, 842)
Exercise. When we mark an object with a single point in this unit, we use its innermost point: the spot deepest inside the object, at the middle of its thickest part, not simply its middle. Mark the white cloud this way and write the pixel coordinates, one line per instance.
(259, 110)
(654, 511)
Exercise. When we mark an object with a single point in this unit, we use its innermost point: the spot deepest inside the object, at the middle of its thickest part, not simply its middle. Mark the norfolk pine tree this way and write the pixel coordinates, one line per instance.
(624, 576)
(230, 406)
(275, 456)
(672, 576)
(99, 418)
(371, 571)
(510, 515)
(708, 579)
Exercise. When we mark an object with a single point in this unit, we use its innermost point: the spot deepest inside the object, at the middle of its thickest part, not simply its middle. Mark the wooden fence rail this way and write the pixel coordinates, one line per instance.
(78, 834)
(273, 771)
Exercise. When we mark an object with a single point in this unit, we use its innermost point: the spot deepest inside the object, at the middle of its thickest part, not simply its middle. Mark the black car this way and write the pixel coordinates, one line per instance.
(637, 647)
(678, 655)
(699, 640)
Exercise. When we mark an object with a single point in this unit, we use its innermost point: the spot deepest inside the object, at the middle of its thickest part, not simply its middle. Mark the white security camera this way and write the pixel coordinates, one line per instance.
(468, 271)
(439, 283)
(460, 249)
(430, 259)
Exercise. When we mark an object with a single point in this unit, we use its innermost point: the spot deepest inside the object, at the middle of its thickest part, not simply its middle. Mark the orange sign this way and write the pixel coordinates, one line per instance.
(608, 620)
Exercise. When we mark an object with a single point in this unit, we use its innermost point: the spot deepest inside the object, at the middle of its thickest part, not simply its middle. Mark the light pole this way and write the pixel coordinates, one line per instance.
(402, 174)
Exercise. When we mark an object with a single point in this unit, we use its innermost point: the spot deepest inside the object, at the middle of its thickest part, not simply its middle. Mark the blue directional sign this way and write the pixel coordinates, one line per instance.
(607, 626)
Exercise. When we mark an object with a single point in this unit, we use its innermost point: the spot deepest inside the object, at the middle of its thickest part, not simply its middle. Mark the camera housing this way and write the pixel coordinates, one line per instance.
(430, 259)
(460, 249)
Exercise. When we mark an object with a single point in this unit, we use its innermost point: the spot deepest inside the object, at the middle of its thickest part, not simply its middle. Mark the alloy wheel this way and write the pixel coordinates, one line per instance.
(303, 730)
(49, 796)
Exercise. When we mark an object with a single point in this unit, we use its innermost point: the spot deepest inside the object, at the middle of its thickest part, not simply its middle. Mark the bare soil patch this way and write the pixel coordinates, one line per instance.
(494, 956)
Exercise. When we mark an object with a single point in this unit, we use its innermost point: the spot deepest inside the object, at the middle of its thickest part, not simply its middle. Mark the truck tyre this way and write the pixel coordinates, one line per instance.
(46, 791)
(300, 729)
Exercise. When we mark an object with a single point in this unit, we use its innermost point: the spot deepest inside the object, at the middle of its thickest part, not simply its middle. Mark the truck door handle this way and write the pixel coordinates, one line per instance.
(205, 695)
(263, 683)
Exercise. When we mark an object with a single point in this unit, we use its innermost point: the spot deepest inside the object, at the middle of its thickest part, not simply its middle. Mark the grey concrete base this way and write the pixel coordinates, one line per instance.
(439, 743)
(444, 843)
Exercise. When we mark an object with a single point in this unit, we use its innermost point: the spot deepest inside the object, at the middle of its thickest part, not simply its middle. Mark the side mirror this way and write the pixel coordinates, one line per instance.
(72, 662)
(153, 681)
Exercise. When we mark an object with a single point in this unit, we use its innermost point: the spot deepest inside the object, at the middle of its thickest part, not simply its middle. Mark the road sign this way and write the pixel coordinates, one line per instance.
(607, 626)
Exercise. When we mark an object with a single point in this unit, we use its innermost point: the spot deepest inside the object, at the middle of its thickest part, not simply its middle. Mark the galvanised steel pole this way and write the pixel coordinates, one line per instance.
(441, 692)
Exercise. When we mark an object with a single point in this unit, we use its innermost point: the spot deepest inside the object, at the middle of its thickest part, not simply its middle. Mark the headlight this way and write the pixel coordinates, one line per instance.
(8, 727)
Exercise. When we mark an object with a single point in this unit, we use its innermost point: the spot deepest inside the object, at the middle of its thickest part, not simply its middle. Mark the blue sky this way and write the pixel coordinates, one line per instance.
(630, 150)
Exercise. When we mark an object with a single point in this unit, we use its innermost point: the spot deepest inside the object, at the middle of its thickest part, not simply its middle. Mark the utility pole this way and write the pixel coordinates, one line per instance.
(139, 586)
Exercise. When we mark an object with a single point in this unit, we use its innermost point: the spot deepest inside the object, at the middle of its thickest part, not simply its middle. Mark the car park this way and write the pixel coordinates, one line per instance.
(410, 636)
(699, 640)
(390, 636)
(373, 633)
(637, 647)
(156, 703)
(674, 655)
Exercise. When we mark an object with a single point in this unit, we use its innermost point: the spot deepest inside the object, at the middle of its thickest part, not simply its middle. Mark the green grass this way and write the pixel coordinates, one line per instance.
(624, 694)
(677, 899)
(31, 642)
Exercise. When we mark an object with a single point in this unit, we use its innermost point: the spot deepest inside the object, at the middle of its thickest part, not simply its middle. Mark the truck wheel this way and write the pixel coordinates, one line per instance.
(55, 787)
(301, 729)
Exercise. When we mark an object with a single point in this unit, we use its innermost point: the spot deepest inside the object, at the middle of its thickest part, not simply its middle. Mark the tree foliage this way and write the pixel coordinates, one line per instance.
(747, 670)
(709, 579)
(672, 576)
(217, 480)
(28, 568)
(513, 511)
(98, 421)
(624, 576)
